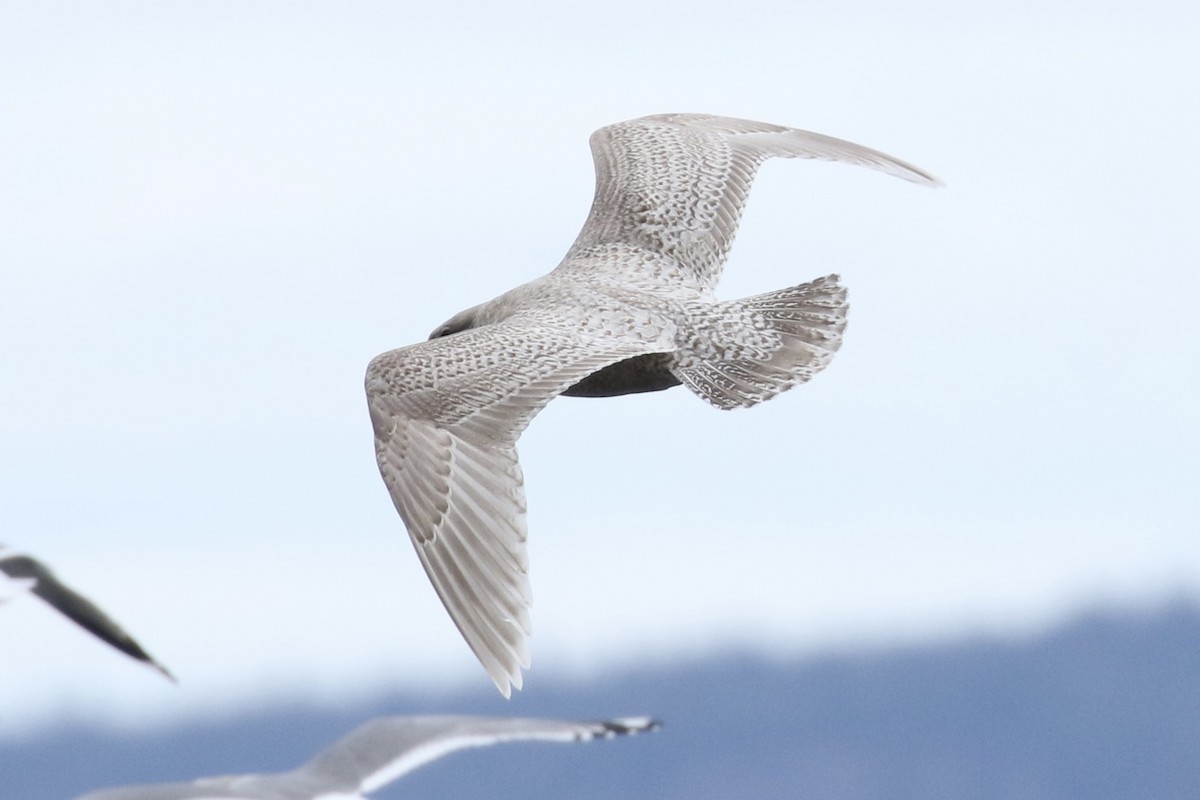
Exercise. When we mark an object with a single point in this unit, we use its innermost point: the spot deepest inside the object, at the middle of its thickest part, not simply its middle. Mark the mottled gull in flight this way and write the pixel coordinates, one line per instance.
(375, 754)
(22, 572)
(630, 309)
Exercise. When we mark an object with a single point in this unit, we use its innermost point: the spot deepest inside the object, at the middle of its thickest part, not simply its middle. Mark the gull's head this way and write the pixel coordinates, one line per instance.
(463, 320)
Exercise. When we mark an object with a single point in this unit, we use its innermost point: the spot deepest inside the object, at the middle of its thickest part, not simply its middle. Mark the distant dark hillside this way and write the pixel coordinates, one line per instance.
(1106, 707)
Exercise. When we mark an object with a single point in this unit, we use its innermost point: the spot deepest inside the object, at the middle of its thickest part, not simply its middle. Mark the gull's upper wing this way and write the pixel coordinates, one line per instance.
(676, 183)
(74, 606)
(447, 414)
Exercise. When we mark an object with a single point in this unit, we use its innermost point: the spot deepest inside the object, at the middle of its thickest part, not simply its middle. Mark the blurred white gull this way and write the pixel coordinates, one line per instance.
(630, 309)
(375, 754)
(20, 572)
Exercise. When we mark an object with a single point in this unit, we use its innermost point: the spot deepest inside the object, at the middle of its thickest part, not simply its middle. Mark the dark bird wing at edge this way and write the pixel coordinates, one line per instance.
(76, 607)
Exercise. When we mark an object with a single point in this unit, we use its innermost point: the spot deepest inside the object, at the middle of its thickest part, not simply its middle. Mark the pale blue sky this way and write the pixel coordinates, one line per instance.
(212, 216)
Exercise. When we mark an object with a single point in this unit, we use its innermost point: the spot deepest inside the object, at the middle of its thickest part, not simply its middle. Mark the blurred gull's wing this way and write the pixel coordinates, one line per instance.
(383, 750)
(74, 606)
(676, 183)
(377, 753)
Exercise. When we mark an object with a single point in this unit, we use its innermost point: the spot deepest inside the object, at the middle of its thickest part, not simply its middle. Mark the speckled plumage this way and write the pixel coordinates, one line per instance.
(630, 309)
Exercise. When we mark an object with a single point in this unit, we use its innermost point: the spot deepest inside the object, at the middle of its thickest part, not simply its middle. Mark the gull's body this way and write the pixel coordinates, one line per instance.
(25, 573)
(630, 309)
(375, 754)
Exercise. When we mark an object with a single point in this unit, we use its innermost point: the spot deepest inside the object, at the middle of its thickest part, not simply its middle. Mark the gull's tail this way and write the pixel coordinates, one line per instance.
(742, 352)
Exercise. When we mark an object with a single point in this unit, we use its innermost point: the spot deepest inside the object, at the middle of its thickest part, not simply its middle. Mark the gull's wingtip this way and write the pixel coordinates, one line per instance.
(932, 181)
(912, 173)
(506, 682)
(166, 673)
(628, 726)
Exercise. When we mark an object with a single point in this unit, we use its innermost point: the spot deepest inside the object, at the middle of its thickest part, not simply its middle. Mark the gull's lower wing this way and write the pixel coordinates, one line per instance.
(447, 414)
